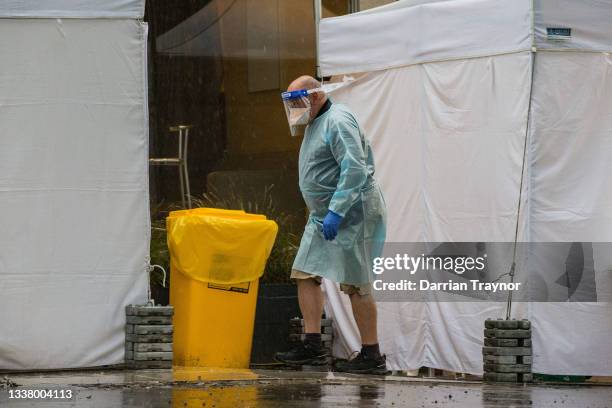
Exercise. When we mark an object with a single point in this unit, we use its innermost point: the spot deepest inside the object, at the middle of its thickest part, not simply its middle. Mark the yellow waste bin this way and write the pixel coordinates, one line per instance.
(216, 260)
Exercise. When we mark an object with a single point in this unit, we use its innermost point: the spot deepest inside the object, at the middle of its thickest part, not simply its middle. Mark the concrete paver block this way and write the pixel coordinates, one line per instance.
(501, 342)
(153, 329)
(507, 368)
(507, 324)
(153, 355)
(149, 338)
(490, 358)
(143, 310)
(296, 321)
(147, 347)
(298, 337)
(507, 334)
(149, 320)
(300, 330)
(507, 351)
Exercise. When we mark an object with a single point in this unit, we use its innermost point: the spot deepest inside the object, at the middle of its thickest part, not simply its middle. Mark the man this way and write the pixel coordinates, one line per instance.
(346, 226)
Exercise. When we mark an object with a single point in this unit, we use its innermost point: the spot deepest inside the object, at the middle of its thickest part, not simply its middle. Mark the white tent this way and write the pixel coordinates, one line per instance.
(455, 96)
(74, 212)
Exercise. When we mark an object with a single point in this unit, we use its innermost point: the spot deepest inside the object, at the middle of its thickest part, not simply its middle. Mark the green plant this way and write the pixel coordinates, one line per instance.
(281, 258)
(159, 251)
(278, 267)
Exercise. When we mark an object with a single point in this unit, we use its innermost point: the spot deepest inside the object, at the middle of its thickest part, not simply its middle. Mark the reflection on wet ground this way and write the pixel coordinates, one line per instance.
(277, 389)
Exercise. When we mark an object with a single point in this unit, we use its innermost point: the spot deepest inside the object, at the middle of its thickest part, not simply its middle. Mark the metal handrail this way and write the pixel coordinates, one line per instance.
(180, 161)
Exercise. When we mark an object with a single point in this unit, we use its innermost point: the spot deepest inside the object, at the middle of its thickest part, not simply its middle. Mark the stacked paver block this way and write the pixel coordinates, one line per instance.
(296, 332)
(148, 336)
(507, 352)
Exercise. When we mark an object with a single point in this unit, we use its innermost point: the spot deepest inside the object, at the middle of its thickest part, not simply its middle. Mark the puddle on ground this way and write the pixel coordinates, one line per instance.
(322, 393)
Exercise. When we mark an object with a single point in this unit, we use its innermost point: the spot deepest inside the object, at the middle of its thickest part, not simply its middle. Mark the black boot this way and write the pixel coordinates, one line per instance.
(303, 354)
(376, 365)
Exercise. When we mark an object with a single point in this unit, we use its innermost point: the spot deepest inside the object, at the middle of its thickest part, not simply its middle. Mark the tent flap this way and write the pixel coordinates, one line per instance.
(448, 134)
(74, 236)
(570, 24)
(432, 31)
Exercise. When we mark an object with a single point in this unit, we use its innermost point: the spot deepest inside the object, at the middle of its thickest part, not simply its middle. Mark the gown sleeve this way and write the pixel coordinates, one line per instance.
(347, 148)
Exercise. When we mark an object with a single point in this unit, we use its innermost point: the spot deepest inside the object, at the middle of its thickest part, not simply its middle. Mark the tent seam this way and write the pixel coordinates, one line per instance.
(368, 69)
(145, 83)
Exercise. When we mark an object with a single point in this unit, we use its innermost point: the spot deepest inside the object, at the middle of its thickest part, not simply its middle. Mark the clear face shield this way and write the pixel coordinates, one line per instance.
(297, 108)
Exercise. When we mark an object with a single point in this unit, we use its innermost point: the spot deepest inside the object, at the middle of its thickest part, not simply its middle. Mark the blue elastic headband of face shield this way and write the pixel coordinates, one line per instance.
(287, 96)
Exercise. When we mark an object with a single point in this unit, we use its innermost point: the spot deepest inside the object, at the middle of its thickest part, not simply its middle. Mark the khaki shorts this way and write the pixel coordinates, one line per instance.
(348, 289)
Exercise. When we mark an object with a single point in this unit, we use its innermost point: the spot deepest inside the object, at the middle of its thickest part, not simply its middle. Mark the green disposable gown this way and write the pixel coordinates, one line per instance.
(336, 170)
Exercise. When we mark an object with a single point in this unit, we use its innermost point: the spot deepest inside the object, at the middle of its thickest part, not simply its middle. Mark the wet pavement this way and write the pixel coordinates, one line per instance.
(185, 387)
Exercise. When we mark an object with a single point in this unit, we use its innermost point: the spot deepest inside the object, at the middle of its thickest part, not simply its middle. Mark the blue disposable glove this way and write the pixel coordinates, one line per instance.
(331, 222)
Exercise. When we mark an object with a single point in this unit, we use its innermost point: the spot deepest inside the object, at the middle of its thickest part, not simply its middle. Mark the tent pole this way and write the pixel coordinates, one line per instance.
(520, 197)
(317, 18)
(527, 128)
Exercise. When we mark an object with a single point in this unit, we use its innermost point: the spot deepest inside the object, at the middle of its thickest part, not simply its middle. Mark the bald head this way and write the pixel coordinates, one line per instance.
(317, 99)
(304, 82)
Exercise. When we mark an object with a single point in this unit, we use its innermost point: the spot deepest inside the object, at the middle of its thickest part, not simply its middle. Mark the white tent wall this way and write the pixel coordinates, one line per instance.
(72, 8)
(448, 138)
(570, 200)
(458, 130)
(449, 173)
(589, 21)
(423, 32)
(74, 229)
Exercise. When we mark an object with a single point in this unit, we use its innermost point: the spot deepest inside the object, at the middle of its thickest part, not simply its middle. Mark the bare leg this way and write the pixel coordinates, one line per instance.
(310, 297)
(308, 352)
(364, 311)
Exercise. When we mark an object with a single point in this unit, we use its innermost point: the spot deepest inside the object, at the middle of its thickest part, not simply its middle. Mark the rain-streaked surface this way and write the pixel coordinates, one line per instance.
(185, 387)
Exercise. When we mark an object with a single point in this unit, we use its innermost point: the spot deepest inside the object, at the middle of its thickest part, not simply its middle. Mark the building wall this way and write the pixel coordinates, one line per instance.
(233, 96)
(182, 90)
(368, 4)
(256, 123)
(257, 132)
